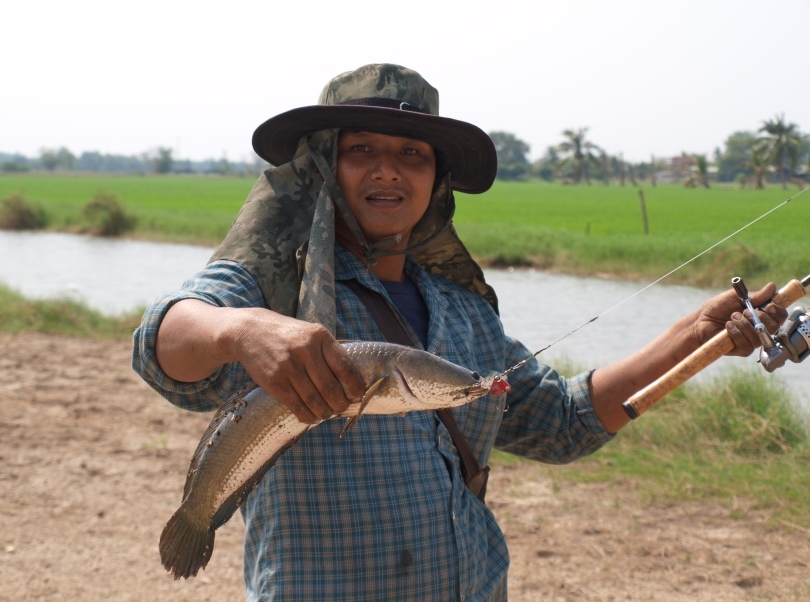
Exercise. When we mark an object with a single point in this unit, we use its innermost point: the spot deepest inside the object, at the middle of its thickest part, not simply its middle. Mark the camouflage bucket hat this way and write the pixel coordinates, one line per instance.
(392, 100)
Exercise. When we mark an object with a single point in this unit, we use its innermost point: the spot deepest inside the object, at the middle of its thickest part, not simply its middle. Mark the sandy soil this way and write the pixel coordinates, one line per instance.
(92, 464)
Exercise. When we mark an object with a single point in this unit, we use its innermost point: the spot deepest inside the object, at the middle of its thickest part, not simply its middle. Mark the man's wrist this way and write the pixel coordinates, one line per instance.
(232, 327)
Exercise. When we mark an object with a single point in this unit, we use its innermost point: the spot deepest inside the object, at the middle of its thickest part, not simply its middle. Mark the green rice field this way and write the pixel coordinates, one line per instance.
(576, 229)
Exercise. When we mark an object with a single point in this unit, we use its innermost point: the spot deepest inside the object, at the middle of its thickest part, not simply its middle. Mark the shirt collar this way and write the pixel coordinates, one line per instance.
(348, 267)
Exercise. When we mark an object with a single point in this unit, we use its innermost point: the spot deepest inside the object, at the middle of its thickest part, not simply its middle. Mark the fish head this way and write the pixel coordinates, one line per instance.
(437, 383)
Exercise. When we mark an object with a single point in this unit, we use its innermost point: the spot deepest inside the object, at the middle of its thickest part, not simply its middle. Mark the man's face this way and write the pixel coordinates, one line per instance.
(387, 181)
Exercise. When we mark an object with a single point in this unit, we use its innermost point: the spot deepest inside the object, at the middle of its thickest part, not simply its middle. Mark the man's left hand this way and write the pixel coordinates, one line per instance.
(727, 310)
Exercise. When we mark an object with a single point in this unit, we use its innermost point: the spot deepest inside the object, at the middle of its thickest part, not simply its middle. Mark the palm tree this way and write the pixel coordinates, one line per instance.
(580, 153)
(758, 163)
(782, 145)
(703, 170)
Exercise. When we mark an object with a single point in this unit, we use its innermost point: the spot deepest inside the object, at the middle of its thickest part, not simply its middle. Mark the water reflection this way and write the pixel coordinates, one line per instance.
(115, 276)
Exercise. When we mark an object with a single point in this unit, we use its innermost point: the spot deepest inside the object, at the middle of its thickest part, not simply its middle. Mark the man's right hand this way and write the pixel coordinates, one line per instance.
(300, 363)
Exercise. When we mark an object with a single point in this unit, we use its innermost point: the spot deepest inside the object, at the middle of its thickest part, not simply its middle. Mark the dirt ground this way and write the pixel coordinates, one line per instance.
(92, 464)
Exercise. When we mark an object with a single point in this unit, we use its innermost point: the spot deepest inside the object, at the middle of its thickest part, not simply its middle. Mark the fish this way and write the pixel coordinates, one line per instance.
(252, 430)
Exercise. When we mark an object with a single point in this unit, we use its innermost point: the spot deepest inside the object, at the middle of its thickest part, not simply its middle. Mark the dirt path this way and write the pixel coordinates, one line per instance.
(92, 464)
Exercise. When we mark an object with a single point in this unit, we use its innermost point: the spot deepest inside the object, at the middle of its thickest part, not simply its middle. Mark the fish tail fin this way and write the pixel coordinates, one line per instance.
(185, 546)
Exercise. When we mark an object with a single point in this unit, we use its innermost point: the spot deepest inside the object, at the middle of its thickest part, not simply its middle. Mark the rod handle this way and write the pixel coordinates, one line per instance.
(709, 352)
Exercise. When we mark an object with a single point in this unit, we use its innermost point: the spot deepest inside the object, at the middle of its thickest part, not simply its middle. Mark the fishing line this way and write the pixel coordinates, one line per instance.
(685, 263)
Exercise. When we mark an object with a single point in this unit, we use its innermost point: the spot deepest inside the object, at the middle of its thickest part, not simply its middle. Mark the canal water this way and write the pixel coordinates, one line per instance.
(116, 276)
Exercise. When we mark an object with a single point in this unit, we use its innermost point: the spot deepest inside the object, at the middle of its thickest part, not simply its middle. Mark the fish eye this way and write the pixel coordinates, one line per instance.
(476, 376)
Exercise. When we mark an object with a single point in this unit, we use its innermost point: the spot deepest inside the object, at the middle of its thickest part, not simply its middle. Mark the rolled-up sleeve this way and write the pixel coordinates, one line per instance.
(222, 284)
(549, 418)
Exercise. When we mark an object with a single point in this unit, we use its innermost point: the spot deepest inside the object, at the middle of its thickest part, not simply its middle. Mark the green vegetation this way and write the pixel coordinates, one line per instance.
(104, 215)
(738, 440)
(598, 229)
(16, 213)
(61, 316)
(576, 229)
(189, 209)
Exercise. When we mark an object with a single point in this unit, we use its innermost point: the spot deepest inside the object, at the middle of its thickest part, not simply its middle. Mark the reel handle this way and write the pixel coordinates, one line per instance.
(706, 354)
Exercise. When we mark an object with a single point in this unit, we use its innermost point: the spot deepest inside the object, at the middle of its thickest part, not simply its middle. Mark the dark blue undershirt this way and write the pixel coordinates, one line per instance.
(408, 300)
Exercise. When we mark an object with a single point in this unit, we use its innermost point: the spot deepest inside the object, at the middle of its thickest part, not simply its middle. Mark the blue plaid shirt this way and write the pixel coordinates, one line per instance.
(383, 513)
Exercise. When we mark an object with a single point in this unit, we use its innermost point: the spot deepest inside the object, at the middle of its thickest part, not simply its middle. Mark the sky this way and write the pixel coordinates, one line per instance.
(645, 77)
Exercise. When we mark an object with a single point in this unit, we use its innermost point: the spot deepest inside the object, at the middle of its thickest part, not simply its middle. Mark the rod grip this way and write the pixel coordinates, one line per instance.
(709, 352)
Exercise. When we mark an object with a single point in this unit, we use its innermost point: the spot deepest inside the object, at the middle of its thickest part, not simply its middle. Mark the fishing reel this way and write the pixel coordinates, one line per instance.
(791, 341)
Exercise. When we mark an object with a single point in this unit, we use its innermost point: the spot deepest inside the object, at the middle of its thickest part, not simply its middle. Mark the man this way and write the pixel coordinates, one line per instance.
(383, 513)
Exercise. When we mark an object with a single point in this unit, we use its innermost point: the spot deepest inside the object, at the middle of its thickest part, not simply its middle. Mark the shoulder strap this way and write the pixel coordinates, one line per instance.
(474, 476)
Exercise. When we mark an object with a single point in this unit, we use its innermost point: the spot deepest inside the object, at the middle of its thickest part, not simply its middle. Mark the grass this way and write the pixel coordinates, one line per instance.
(737, 438)
(188, 209)
(61, 316)
(585, 230)
(599, 229)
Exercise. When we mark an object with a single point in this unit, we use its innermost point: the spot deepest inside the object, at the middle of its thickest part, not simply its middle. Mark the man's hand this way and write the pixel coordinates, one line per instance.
(612, 385)
(727, 310)
(300, 363)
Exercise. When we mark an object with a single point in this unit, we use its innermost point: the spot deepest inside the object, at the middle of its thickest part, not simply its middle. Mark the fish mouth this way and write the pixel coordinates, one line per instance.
(475, 391)
(479, 389)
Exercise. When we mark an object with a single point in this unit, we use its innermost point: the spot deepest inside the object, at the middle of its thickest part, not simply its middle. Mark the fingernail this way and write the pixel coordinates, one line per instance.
(771, 309)
(736, 316)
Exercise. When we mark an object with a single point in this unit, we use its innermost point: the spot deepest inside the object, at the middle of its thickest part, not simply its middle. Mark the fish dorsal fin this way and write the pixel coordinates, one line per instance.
(363, 403)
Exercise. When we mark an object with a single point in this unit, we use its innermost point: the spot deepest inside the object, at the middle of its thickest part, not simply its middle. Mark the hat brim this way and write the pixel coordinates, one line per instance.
(468, 151)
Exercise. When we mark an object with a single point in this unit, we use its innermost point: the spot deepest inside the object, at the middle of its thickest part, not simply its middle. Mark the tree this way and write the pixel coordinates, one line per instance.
(512, 151)
(48, 159)
(604, 165)
(51, 158)
(163, 162)
(702, 165)
(580, 153)
(546, 167)
(223, 167)
(782, 144)
(758, 164)
(66, 159)
(735, 159)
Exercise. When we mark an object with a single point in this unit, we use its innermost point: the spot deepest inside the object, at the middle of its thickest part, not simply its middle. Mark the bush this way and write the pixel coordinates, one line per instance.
(16, 213)
(104, 215)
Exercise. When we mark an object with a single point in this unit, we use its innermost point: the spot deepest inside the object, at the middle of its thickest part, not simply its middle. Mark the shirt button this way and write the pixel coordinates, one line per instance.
(453, 514)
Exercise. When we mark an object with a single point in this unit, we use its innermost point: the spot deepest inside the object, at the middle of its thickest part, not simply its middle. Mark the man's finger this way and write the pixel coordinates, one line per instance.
(772, 317)
(763, 295)
(288, 396)
(311, 398)
(329, 388)
(344, 371)
(741, 332)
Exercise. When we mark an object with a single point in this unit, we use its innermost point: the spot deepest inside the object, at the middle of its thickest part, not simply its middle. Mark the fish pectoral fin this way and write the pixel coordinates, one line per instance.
(350, 422)
(363, 403)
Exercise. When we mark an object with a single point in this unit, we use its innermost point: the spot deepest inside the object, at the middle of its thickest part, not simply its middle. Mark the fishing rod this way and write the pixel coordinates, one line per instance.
(789, 294)
(791, 342)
